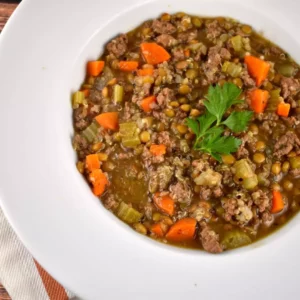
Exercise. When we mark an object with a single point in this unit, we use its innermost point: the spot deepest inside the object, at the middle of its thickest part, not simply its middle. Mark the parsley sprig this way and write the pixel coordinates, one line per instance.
(209, 127)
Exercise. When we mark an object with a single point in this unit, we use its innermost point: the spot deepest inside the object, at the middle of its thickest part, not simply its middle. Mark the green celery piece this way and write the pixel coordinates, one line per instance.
(128, 214)
(118, 93)
(90, 133)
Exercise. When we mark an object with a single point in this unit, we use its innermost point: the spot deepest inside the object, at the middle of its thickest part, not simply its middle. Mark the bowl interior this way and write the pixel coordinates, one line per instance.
(53, 210)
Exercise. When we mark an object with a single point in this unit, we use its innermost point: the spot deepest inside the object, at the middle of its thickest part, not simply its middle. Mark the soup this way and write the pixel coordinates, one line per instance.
(187, 129)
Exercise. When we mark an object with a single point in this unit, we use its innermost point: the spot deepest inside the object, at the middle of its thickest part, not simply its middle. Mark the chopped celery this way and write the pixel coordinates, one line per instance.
(235, 239)
(128, 129)
(209, 178)
(129, 134)
(285, 69)
(274, 100)
(118, 93)
(128, 214)
(131, 141)
(237, 43)
(243, 169)
(77, 99)
(250, 183)
(90, 133)
(232, 69)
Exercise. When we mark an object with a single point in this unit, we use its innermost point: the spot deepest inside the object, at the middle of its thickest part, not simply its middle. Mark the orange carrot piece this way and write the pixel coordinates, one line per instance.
(277, 204)
(157, 230)
(165, 203)
(187, 53)
(145, 72)
(99, 181)
(108, 120)
(92, 162)
(257, 68)
(259, 99)
(283, 109)
(128, 66)
(146, 103)
(182, 230)
(158, 149)
(154, 54)
(94, 68)
(86, 92)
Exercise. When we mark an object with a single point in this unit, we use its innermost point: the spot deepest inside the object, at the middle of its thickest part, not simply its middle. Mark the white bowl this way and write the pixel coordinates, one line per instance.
(43, 51)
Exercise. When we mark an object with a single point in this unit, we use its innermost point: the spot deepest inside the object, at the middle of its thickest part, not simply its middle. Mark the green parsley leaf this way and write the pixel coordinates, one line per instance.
(219, 99)
(194, 125)
(238, 120)
(209, 127)
(205, 121)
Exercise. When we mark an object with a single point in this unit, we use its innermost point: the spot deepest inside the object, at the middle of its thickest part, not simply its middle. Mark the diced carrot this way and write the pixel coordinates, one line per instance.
(86, 92)
(165, 203)
(94, 68)
(157, 230)
(92, 162)
(146, 103)
(277, 204)
(108, 120)
(187, 53)
(158, 149)
(257, 68)
(259, 99)
(145, 72)
(99, 181)
(283, 109)
(128, 66)
(154, 54)
(182, 230)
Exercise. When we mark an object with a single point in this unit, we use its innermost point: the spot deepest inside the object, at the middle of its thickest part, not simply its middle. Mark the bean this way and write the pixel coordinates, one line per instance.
(295, 162)
(197, 189)
(156, 217)
(288, 185)
(140, 228)
(197, 22)
(195, 112)
(185, 107)
(160, 127)
(108, 166)
(169, 113)
(97, 146)
(105, 92)
(91, 80)
(247, 29)
(174, 103)
(146, 31)
(268, 86)
(148, 79)
(182, 64)
(80, 167)
(191, 73)
(254, 129)
(165, 17)
(182, 129)
(158, 81)
(138, 150)
(238, 82)
(260, 146)
(276, 187)
(102, 156)
(117, 137)
(285, 167)
(292, 154)
(145, 136)
(183, 100)
(112, 81)
(276, 168)
(228, 159)
(184, 89)
(259, 158)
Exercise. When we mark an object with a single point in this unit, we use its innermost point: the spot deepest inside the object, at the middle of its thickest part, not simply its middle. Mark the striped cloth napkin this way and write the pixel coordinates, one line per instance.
(21, 275)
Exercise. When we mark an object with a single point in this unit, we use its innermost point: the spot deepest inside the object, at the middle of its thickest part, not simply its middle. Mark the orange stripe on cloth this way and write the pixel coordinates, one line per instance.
(3, 293)
(54, 289)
